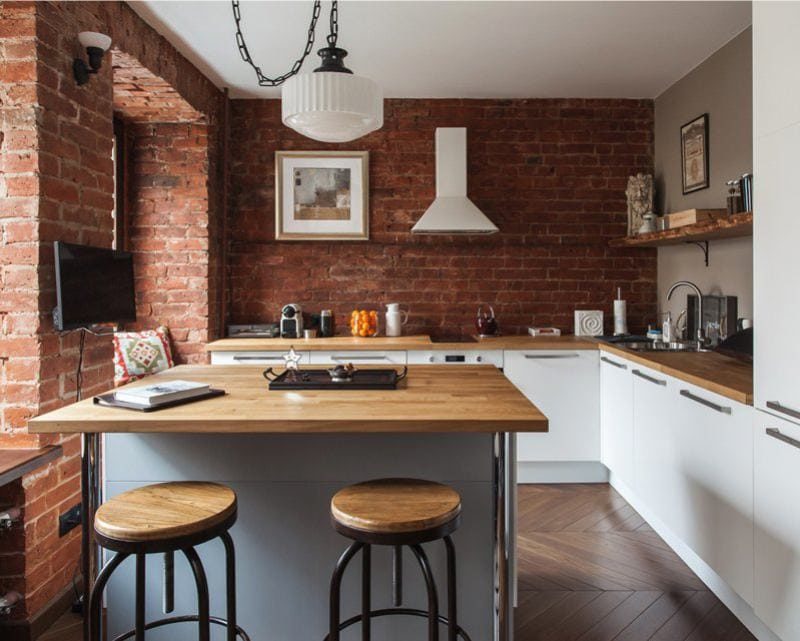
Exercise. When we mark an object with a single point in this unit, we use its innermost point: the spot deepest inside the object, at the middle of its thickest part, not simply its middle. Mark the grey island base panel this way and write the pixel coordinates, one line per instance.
(285, 546)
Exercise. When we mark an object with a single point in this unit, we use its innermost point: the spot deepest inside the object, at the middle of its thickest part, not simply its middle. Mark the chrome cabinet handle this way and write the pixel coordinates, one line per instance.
(381, 357)
(614, 363)
(641, 374)
(258, 358)
(776, 433)
(775, 405)
(550, 356)
(702, 401)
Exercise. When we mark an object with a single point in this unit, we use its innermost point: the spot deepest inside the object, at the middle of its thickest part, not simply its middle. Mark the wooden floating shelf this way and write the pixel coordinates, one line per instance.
(735, 226)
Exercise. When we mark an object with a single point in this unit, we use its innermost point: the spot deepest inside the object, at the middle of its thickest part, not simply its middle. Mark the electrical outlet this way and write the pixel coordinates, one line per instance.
(69, 520)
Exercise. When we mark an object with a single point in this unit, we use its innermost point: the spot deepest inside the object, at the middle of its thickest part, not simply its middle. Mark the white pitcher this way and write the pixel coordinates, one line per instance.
(395, 319)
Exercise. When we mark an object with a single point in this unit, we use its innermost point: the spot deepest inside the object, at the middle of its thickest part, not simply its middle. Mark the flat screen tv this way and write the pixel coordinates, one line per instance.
(93, 286)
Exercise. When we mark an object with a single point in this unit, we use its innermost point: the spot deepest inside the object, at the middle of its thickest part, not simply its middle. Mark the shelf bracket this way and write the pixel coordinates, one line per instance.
(703, 245)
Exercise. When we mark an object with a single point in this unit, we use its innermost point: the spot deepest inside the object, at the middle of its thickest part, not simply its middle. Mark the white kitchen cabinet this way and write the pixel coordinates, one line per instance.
(777, 263)
(363, 357)
(255, 358)
(565, 386)
(776, 50)
(710, 505)
(654, 445)
(776, 224)
(616, 416)
(777, 525)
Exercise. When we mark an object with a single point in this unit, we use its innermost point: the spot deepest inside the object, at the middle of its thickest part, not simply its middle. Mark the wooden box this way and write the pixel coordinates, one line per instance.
(692, 216)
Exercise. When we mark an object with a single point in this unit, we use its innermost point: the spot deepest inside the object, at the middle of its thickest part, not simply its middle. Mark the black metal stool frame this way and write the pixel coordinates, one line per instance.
(186, 545)
(363, 542)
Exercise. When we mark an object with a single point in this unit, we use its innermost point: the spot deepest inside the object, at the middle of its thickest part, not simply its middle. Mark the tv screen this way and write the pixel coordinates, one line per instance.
(93, 285)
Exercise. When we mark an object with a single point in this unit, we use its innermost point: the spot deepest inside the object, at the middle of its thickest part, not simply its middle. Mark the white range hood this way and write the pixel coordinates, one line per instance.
(452, 212)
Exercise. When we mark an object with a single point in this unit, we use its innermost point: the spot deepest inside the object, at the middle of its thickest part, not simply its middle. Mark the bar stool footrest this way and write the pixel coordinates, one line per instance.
(189, 618)
(374, 614)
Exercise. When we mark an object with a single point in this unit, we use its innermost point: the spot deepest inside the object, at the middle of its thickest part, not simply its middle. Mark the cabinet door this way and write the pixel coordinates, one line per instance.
(616, 417)
(711, 506)
(364, 357)
(776, 265)
(776, 49)
(777, 519)
(565, 386)
(254, 358)
(653, 445)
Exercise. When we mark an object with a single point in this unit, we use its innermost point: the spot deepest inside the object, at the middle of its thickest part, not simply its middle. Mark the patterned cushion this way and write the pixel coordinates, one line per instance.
(138, 354)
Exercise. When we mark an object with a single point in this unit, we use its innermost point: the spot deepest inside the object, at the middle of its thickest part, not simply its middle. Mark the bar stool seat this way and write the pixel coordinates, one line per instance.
(401, 513)
(395, 506)
(167, 518)
(164, 511)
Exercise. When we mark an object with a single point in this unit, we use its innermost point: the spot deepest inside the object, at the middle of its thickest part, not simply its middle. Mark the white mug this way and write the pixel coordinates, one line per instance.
(395, 319)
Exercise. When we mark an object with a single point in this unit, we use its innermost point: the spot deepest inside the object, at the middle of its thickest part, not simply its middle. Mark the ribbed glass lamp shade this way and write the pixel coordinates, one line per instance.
(332, 106)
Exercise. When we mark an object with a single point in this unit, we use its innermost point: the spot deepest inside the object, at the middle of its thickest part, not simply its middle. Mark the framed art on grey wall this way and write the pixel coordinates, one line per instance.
(694, 154)
(321, 195)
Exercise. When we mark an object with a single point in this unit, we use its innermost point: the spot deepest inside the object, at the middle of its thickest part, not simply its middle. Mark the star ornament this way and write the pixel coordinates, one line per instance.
(292, 360)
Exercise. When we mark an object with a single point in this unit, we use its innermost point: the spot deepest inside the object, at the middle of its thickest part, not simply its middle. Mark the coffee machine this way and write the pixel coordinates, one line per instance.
(291, 321)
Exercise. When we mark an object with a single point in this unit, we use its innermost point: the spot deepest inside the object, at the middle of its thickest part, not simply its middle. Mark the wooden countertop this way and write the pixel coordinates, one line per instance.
(15, 463)
(472, 398)
(380, 343)
(711, 371)
(714, 372)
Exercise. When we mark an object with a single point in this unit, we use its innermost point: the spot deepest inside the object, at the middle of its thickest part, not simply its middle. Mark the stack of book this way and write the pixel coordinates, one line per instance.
(159, 394)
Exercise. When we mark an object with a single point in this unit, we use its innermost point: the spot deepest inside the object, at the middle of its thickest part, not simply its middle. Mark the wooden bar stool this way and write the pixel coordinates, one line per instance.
(167, 518)
(398, 513)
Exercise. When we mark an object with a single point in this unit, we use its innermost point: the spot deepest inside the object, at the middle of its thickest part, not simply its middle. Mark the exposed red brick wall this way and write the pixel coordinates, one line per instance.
(168, 232)
(550, 173)
(56, 184)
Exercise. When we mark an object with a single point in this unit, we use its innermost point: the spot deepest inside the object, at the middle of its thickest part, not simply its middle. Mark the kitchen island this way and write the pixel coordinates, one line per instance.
(286, 453)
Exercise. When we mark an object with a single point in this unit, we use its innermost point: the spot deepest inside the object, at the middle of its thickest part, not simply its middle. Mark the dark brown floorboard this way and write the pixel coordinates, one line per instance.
(591, 569)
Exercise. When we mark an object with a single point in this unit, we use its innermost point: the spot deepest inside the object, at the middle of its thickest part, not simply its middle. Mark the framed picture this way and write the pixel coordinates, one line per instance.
(694, 154)
(321, 195)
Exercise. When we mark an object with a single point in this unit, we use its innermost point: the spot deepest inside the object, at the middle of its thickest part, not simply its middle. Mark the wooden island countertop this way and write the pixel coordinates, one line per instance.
(476, 399)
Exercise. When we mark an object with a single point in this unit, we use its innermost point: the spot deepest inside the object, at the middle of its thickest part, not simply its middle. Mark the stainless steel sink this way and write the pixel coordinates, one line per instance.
(659, 346)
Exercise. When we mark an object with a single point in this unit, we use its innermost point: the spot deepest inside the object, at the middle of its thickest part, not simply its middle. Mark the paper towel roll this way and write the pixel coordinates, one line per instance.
(620, 317)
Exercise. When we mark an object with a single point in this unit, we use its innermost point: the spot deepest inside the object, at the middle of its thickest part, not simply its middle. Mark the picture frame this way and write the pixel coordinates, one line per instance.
(695, 154)
(322, 195)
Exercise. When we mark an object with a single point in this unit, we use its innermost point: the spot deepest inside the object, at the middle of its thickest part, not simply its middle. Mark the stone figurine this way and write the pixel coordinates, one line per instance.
(640, 200)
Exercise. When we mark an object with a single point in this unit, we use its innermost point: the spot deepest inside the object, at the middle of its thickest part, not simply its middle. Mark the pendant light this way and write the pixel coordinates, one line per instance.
(331, 104)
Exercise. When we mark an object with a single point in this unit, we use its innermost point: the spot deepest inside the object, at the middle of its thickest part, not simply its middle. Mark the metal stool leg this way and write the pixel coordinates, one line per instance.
(203, 615)
(141, 577)
(397, 576)
(366, 606)
(336, 589)
(230, 584)
(433, 598)
(452, 597)
(96, 596)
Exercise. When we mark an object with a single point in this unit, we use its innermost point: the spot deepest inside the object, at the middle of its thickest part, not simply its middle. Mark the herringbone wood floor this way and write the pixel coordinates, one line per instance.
(591, 569)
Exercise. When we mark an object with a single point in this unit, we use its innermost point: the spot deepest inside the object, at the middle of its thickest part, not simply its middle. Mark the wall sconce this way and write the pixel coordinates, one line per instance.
(96, 45)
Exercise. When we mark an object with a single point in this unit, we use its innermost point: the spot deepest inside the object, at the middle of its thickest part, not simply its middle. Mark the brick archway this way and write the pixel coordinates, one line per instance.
(167, 204)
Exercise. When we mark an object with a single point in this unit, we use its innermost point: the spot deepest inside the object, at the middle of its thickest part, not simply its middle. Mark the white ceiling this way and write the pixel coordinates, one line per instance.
(462, 49)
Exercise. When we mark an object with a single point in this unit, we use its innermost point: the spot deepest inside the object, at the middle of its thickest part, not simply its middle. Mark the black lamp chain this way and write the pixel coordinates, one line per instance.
(333, 36)
(266, 81)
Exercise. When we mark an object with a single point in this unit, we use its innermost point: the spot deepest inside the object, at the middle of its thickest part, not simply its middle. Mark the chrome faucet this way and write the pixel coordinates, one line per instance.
(701, 335)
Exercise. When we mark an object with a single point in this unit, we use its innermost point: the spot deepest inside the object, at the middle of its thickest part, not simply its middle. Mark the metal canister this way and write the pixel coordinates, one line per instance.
(747, 191)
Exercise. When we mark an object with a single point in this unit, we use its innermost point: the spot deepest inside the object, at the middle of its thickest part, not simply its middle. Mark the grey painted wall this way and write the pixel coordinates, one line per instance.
(722, 87)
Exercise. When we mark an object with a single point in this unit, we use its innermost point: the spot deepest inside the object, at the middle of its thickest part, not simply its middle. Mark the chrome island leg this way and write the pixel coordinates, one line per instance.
(504, 494)
(90, 499)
